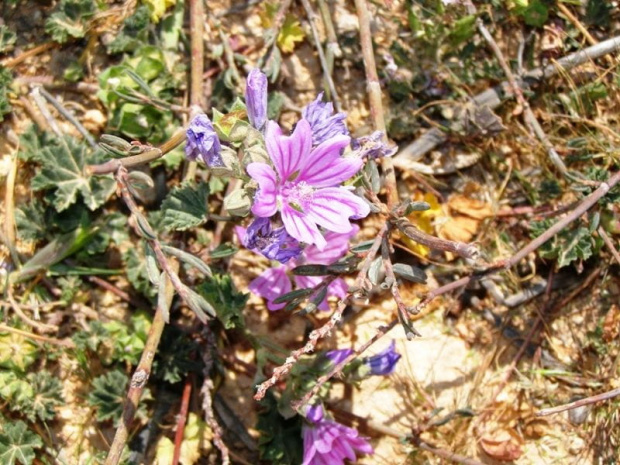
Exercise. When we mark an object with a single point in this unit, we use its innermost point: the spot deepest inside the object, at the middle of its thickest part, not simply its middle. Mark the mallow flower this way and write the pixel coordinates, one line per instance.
(372, 146)
(202, 142)
(383, 363)
(327, 442)
(324, 123)
(305, 185)
(275, 281)
(275, 244)
(256, 98)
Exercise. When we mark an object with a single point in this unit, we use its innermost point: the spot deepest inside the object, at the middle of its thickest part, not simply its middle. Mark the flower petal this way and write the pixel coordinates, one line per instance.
(302, 228)
(333, 206)
(265, 199)
(324, 167)
(337, 247)
(288, 153)
(270, 285)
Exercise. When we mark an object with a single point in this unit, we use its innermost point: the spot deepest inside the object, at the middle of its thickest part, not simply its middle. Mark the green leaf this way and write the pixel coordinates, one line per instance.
(535, 13)
(63, 169)
(17, 444)
(108, 395)
(7, 39)
(30, 221)
(280, 441)
(133, 34)
(174, 359)
(463, 29)
(70, 20)
(410, 273)
(229, 303)
(6, 79)
(186, 206)
(16, 352)
(15, 390)
(223, 250)
(137, 273)
(47, 396)
(128, 340)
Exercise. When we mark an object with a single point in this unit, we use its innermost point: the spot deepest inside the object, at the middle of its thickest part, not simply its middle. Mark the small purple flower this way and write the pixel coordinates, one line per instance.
(274, 282)
(329, 443)
(383, 363)
(324, 123)
(338, 355)
(275, 244)
(202, 141)
(305, 186)
(372, 146)
(256, 98)
(271, 284)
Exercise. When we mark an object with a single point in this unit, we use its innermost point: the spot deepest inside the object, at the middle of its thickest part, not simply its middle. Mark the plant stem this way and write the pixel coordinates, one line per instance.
(319, 48)
(112, 166)
(579, 403)
(136, 387)
(327, 328)
(375, 97)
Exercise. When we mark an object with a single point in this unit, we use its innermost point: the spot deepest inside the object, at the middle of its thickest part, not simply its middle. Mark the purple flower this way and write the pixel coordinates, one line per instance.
(304, 187)
(202, 141)
(256, 98)
(274, 282)
(338, 355)
(329, 443)
(275, 244)
(372, 146)
(384, 362)
(324, 123)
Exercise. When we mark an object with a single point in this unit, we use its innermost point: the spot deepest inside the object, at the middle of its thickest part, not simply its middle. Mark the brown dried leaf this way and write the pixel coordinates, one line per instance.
(459, 228)
(470, 207)
(503, 444)
(611, 325)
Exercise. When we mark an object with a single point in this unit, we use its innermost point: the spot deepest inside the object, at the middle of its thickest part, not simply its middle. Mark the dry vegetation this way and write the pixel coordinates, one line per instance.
(492, 354)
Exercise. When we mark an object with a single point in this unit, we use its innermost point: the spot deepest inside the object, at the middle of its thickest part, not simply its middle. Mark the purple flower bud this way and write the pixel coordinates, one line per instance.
(338, 355)
(384, 362)
(372, 146)
(202, 142)
(328, 442)
(256, 98)
(324, 123)
(275, 244)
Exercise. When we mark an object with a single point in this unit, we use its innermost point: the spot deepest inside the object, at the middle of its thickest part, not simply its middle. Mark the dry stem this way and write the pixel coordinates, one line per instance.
(326, 329)
(375, 97)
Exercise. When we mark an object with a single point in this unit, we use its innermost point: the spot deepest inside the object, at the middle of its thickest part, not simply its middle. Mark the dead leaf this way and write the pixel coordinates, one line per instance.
(611, 324)
(503, 444)
(459, 228)
(470, 207)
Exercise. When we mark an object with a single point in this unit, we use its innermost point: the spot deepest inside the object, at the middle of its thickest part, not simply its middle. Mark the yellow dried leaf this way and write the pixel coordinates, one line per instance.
(196, 433)
(290, 33)
(424, 221)
(157, 8)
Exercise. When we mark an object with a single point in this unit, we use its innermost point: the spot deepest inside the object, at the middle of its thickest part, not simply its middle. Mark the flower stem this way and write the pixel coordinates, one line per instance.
(374, 96)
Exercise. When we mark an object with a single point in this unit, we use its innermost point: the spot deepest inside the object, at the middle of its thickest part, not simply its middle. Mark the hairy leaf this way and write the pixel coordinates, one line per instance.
(6, 78)
(47, 396)
(63, 169)
(108, 395)
(17, 444)
(30, 221)
(280, 440)
(16, 352)
(221, 293)
(70, 20)
(186, 206)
